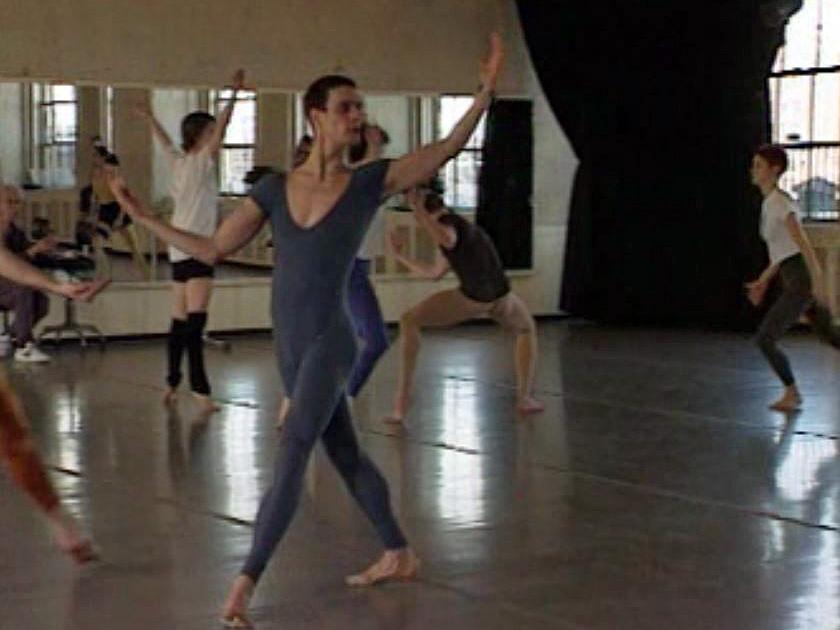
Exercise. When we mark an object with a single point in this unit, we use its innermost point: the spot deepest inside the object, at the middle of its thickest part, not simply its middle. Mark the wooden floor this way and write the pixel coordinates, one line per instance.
(657, 491)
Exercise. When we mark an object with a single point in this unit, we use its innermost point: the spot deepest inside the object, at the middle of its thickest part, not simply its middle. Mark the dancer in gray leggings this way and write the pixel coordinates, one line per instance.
(319, 214)
(792, 258)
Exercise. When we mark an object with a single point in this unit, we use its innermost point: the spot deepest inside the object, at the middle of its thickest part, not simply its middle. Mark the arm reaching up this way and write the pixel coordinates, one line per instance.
(396, 247)
(224, 117)
(236, 230)
(417, 167)
(144, 112)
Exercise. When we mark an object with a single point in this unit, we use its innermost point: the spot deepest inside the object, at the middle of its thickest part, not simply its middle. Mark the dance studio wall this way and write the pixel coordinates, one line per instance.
(388, 45)
(663, 102)
(11, 147)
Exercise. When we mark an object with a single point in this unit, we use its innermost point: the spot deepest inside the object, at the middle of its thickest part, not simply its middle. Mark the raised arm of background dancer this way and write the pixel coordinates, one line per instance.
(238, 228)
(801, 239)
(144, 111)
(432, 272)
(417, 167)
(224, 116)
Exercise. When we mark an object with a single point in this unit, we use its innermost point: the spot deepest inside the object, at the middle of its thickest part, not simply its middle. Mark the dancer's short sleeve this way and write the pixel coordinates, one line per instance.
(268, 193)
(371, 178)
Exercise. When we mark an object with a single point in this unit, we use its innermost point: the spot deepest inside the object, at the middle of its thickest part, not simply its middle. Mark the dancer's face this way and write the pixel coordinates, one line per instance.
(762, 173)
(341, 122)
(206, 135)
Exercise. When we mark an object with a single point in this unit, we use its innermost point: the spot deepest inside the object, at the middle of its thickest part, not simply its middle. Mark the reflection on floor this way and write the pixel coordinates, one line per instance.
(657, 491)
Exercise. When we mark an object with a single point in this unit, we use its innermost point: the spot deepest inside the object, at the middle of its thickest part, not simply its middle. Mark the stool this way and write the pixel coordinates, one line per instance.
(72, 325)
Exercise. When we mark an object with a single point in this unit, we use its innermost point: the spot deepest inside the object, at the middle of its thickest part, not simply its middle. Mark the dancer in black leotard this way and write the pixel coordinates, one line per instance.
(319, 214)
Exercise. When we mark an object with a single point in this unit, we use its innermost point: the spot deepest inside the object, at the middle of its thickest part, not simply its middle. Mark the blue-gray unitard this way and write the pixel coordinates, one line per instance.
(316, 349)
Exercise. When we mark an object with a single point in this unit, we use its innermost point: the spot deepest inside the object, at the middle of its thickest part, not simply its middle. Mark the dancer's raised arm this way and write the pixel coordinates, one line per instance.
(223, 121)
(417, 167)
(236, 230)
(144, 112)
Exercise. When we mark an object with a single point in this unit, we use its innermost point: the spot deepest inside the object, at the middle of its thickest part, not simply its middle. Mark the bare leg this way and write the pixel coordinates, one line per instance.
(445, 308)
(235, 611)
(140, 264)
(283, 412)
(526, 361)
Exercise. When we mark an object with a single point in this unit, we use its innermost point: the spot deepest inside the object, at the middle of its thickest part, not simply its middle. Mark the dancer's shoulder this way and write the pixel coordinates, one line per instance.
(269, 191)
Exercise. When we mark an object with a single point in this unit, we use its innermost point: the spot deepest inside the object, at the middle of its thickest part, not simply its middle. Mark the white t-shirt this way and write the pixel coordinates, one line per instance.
(195, 193)
(374, 243)
(774, 210)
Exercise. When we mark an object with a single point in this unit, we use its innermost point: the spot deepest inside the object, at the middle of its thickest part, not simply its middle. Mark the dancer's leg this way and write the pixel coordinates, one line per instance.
(177, 340)
(781, 316)
(17, 450)
(128, 235)
(198, 291)
(445, 308)
(513, 314)
(369, 325)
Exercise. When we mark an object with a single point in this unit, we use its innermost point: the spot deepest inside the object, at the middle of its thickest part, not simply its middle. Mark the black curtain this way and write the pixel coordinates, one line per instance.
(663, 102)
(506, 181)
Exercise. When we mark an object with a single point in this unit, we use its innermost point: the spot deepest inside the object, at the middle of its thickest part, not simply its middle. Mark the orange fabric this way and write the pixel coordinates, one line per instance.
(18, 452)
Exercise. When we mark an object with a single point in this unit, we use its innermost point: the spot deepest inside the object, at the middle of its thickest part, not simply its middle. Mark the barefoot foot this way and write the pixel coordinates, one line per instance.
(206, 403)
(393, 565)
(235, 612)
(399, 410)
(529, 405)
(68, 540)
(170, 396)
(790, 400)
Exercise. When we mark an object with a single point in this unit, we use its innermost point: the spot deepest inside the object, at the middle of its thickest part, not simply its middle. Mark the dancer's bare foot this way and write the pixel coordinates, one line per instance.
(529, 405)
(393, 565)
(206, 403)
(283, 413)
(399, 410)
(790, 400)
(67, 538)
(235, 612)
(170, 396)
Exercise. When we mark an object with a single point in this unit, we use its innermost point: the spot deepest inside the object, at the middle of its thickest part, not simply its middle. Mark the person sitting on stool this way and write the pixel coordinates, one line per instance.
(29, 305)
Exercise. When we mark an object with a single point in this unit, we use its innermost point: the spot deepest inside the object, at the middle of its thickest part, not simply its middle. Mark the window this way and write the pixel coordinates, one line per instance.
(460, 175)
(239, 148)
(805, 102)
(54, 133)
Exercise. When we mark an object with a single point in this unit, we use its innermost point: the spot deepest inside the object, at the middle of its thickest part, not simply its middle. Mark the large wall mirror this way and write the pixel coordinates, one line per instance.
(54, 135)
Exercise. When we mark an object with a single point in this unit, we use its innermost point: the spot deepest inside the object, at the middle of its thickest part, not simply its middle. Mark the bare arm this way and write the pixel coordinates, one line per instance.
(143, 111)
(20, 271)
(442, 235)
(432, 272)
(239, 227)
(422, 164)
(224, 116)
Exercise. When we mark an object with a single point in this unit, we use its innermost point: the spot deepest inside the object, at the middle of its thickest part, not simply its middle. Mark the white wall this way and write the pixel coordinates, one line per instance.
(11, 143)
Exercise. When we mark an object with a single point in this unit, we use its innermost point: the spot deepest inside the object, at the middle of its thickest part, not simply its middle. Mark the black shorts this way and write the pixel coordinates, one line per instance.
(111, 214)
(190, 268)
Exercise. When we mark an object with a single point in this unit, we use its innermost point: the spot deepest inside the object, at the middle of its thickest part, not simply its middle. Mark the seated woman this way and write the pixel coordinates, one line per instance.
(29, 305)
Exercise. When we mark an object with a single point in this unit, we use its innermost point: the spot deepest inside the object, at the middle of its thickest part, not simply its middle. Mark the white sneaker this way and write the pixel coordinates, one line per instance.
(31, 354)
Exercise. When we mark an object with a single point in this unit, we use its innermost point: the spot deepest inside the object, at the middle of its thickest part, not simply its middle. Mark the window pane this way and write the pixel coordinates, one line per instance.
(794, 95)
(801, 37)
(63, 93)
(243, 124)
(827, 108)
(461, 174)
(830, 50)
(64, 122)
(813, 178)
(60, 165)
(233, 165)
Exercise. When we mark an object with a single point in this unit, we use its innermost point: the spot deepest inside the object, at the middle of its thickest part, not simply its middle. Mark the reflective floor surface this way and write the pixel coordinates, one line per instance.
(657, 491)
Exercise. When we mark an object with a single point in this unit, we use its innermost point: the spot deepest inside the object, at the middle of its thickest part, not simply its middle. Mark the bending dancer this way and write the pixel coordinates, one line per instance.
(319, 214)
(793, 258)
(195, 192)
(365, 311)
(17, 448)
(109, 217)
(484, 291)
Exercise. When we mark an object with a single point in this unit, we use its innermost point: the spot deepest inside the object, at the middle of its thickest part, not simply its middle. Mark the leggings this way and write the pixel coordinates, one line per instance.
(368, 322)
(796, 297)
(17, 450)
(188, 334)
(319, 410)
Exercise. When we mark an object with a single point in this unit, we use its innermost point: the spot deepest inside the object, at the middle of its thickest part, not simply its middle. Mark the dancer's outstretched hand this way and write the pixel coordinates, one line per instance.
(491, 66)
(142, 111)
(756, 291)
(238, 79)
